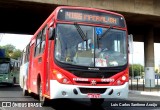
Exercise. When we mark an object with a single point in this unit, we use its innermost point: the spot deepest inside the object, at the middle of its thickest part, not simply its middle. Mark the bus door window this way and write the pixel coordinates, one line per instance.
(43, 40)
(16, 66)
(38, 42)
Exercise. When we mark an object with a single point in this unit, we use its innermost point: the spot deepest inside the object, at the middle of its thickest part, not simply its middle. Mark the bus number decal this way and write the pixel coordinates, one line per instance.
(80, 79)
(107, 80)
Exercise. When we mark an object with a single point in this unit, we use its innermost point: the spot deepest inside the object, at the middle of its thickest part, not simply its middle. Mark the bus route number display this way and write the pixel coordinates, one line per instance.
(91, 17)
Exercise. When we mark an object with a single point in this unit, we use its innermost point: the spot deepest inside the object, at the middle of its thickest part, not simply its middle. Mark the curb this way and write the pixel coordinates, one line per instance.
(144, 93)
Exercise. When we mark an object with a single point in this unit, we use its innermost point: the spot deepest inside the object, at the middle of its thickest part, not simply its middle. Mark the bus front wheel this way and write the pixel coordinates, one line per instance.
(43, 100)
(25, 92)
(14, 80)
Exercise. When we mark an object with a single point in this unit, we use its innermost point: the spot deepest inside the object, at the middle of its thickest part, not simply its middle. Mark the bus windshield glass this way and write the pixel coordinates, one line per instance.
(4, 68)
(93, 51)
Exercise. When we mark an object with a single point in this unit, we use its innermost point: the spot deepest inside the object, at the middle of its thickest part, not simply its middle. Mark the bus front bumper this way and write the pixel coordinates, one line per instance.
(58, 90)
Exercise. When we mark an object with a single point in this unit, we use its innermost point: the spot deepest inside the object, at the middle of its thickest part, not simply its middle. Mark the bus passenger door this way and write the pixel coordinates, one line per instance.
(48, 58)
(30, 71)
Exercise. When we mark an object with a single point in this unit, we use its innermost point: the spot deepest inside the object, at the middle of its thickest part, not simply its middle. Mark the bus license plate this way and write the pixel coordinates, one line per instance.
(94, 95)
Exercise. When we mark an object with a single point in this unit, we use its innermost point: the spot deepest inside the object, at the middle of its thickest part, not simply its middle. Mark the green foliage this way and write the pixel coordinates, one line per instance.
(16, 54)
(156, 71)
(11, 51)
(137, 70)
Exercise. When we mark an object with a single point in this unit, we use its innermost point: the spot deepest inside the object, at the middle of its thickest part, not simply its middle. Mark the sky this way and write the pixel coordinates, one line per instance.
(138, 54)
(20, 41)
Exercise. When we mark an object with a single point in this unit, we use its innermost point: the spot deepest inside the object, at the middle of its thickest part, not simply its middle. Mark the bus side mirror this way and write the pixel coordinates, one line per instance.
(51, 33)
(130, 43)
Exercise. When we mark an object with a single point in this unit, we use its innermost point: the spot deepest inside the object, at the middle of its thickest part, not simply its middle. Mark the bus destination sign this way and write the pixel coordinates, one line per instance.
(90, 17)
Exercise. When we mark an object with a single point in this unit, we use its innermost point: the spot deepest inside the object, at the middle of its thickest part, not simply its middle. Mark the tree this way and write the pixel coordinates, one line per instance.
(156, 71)
(11, 51)
(137, 69)
(16, 54)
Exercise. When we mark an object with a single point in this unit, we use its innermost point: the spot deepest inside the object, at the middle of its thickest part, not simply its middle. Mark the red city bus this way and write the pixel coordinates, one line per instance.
(79, 52)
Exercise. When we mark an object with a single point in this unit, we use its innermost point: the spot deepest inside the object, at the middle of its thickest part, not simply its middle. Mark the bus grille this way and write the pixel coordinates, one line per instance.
(92, 90)
(85, 74)
(88, 82)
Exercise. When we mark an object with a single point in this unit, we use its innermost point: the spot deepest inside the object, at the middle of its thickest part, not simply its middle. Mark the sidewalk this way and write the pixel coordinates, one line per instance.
(152, 93)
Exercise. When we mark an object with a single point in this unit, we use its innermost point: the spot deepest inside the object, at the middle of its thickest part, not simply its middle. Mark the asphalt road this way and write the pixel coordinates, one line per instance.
(13, 96)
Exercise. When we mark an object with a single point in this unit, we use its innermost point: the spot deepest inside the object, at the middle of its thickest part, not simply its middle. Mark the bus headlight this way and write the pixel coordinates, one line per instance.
(61, 78)
(124, 78)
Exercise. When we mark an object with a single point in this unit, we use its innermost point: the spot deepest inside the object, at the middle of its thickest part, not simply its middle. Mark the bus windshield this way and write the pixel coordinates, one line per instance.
(4, 68)
(93, 51)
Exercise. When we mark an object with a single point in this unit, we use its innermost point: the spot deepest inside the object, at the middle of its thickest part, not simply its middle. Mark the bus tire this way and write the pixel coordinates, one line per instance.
(97, 102)
(25, 92)
(43, 100)
(14, 80)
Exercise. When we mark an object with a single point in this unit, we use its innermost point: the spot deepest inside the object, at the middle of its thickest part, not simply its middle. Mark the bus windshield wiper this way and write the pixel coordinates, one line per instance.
(105, 32)
(80, 31)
